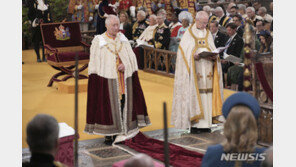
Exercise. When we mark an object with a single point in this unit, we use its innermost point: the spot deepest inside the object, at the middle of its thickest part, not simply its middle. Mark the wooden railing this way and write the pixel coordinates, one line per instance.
(159, 61)
(265, 121)
(88, 36)
(258, 73)
(88, 33)
(87, 39)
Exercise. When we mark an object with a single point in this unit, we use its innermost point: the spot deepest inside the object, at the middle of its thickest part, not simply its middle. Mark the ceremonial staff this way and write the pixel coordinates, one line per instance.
(165, 131)
(76, 113)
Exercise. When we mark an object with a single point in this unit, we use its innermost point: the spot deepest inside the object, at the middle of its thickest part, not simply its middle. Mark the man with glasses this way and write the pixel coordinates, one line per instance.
(237, 20)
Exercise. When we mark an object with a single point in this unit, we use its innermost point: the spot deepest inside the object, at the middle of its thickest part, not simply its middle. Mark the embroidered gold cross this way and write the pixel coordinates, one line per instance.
(199, 76)
(209, 76)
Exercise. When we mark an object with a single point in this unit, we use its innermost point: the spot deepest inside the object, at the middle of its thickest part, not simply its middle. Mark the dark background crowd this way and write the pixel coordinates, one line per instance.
(164, 29)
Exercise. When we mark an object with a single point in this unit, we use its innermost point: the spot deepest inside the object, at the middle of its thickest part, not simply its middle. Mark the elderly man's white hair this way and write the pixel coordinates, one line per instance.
(48, 127)
(152, 16)
(263, 9)
(241, 6)
(251, 8)
(142, 13)
(218, 9)
(201, 14)
(206, 8)
(162, 11)
(109, 18)
(185, 15)
(212, 10)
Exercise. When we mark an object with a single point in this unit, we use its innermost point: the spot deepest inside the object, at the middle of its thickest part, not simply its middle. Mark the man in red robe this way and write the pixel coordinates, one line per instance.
(115, 101)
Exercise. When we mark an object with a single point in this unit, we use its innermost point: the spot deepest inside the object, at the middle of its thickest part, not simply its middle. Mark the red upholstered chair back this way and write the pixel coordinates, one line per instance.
(63, 34)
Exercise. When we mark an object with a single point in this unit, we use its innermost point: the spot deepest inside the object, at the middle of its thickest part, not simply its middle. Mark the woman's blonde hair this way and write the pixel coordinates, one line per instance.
(240, 130)
(126, 16)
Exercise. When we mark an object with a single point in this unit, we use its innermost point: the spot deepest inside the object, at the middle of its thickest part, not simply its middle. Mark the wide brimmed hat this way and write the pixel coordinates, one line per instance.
(241, 98)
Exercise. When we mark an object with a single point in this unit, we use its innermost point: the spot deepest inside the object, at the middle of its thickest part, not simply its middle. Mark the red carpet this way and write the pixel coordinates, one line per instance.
(179, 157)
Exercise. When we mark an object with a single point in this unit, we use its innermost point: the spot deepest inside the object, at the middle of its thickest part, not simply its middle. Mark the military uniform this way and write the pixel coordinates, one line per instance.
(161, 37)
(139, 27)
(161, 40)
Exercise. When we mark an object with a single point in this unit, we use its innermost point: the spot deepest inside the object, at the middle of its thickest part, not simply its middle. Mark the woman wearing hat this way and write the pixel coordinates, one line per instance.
(241, 111)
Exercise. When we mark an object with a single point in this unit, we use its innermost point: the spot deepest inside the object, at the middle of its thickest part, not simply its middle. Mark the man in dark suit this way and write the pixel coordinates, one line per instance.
(235, 42)
(43, 140)
(220, 38)
(235, 45)
(237, 20)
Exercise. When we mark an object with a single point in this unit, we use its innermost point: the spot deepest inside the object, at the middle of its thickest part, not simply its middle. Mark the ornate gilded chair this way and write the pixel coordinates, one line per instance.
(62, 42)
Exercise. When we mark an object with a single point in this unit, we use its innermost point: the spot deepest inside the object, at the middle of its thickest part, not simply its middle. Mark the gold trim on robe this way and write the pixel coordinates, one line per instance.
(216, 103)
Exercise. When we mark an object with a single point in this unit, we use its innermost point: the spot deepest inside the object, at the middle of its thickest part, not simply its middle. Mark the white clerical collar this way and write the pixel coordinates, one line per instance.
(102, 40)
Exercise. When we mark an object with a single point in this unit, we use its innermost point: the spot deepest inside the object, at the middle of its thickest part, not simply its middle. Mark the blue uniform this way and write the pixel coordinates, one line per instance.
(212, 158)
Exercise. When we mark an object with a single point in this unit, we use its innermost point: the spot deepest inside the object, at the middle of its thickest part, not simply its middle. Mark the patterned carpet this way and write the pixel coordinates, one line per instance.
(94, 153)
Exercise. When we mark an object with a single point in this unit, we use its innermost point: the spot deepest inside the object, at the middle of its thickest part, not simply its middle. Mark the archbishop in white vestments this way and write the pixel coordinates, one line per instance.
(198, 87)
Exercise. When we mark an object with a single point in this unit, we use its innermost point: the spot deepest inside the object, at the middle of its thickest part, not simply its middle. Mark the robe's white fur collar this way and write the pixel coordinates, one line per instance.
(103, 42)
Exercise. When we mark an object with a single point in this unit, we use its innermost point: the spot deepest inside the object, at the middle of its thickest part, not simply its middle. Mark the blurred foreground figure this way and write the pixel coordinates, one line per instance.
(43, 141)
(241, 111)
(139, 160)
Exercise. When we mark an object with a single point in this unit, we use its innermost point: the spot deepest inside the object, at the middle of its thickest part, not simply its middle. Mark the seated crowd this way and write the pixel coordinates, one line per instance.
(226, 25)
(156, 28)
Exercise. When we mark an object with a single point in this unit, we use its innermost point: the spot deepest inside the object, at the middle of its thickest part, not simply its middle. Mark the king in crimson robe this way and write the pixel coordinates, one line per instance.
(107, 85)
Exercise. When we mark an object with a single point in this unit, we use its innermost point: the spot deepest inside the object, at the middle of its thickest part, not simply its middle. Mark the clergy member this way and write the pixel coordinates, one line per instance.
(115, 101)
(198, 87)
